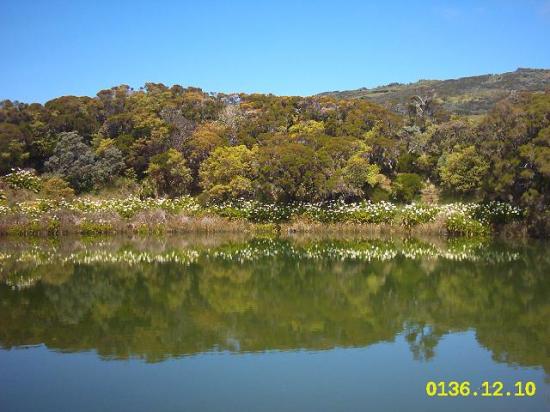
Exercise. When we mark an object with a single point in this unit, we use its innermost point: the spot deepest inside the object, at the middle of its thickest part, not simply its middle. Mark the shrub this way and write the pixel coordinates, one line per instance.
(228, 173)
(462, 225)
(496, 213)
(463, 170)
(23, 179)
(169, 174)
(77, 163)
(341, 212)
(407, 186)
(74, 160)
(413, 214)
(56, 188)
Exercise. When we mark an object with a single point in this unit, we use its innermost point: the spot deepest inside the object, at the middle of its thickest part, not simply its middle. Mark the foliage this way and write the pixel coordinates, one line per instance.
(77, 163)
(407, 186)
(463, 170)
(176, 140)
(360, 175)
(413, 214)
(463, 225)
(229, 173)
(291, 171)
(496, 213)
(23, 179)
(56, 188)
(460, 218)
(12, 147)
(169, 174)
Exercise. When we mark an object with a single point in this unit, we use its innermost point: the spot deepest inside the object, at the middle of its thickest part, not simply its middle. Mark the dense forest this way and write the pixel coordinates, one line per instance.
(169, 141)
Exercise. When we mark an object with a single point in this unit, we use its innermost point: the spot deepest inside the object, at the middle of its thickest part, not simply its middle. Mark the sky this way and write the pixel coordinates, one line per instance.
(286, 47)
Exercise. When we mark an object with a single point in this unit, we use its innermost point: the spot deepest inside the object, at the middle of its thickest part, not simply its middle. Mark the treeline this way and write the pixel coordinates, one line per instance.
(160, 141)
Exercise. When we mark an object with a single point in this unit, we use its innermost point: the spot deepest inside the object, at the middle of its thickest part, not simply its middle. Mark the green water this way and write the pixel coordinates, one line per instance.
(298, 324)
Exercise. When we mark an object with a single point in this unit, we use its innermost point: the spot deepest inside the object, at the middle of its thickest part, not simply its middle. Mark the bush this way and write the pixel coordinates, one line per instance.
(340, 212)
(496, 213)
(407, 186)
(56, 188)
(254, 211)
(464, 170)
(23, 179)
(76, 162)
(169, 174)
(412, 215)
(463, 225)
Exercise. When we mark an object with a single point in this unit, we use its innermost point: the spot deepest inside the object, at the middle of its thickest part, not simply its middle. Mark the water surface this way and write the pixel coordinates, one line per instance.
(234, 324)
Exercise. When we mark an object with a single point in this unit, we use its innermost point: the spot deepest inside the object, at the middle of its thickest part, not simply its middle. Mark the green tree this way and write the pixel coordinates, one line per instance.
(74, 161)
(407, 186)
(290, 171)
(463, 170)
(77, 163)
(13, 152)
(360, 175)
(229, 173)
(203, 141)
(169, 174)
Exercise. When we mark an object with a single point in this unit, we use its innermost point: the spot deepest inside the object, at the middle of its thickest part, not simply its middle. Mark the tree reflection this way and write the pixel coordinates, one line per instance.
(274, 294)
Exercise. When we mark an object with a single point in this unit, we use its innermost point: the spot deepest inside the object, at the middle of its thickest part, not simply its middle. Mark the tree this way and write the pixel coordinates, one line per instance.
(74, 161)
(109, 165)
(290, 171)
(77, 163)
(169, 174)
(463, 170)
(13, 152)
(406, 187)
(360, 175)
(229, 173)
(203, 141)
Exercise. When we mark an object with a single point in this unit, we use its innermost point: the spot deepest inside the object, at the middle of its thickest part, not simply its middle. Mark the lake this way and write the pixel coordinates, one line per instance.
(305, 323)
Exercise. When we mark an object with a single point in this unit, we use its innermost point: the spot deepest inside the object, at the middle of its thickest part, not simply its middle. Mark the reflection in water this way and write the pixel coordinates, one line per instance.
(156, 299)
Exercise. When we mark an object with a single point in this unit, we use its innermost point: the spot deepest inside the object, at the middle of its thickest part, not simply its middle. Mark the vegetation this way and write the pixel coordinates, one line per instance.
(466, 95)
(64, 213)
(160, 142)
(157, 298)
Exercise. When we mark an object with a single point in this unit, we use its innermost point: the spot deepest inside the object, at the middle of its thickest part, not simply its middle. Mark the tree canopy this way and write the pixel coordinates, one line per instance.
(281, 149)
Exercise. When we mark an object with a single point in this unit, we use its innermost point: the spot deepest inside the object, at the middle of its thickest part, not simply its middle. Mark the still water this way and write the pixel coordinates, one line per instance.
(294, 324)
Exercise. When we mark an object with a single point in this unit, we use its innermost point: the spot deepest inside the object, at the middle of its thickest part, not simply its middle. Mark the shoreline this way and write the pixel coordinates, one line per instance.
(161, 223)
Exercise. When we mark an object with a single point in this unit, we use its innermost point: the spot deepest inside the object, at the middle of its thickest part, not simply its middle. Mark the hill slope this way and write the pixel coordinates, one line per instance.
(466, 95)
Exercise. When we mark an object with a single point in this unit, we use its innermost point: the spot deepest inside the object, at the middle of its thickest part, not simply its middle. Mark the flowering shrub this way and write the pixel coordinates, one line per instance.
(415, 214)
(463, 225)
(496, 212)
(460, 218)
(4, 210)
(128, 207)
(340, 212)
(23, 179)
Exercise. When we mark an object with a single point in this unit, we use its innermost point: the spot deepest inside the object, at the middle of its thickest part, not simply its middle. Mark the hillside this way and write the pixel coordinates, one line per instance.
(466, 95)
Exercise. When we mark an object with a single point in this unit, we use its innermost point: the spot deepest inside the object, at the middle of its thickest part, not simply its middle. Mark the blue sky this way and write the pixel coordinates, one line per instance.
(53, 48)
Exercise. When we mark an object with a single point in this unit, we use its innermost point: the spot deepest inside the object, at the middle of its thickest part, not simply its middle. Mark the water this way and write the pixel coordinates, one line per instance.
(301, 324)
